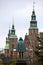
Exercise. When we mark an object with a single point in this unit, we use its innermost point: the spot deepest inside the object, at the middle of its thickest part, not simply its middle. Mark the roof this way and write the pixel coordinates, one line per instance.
(33, 28)
(7, 46)
(13, 36)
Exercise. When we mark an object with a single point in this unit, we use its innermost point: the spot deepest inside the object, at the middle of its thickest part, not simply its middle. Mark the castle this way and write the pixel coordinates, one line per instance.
(30, 40)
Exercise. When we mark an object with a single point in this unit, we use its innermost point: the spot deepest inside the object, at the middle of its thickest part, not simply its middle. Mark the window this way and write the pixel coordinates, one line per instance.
(12, 46)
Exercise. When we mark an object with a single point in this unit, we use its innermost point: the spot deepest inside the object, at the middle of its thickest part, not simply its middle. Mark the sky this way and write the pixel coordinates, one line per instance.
(20, 11)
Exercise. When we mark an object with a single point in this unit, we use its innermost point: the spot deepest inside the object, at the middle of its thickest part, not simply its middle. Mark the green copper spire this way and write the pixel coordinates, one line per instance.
(33, 17)
(12, 26)
(13, 29)
(33, 22)
(12, 32)
(9, 33)
(13, 23)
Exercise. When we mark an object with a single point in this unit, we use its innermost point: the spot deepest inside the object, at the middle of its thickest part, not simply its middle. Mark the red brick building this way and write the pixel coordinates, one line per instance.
(11, 40)
(30, 40)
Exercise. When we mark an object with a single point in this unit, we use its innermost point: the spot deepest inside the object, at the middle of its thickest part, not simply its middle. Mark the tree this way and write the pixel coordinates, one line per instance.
(39, 50)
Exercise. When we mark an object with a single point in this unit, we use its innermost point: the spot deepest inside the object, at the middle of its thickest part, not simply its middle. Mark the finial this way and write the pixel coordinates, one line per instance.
(33, 4)
(13, 21)
(9, 25)
(9, 30)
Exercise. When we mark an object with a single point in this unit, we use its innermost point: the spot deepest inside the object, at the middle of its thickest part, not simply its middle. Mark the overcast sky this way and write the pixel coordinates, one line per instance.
(20, 11)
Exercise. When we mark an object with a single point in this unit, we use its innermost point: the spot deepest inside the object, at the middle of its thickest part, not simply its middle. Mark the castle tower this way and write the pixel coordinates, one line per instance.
(11, 42)
(7, 48)
(33, 24)
(30, 39)
(33, 30)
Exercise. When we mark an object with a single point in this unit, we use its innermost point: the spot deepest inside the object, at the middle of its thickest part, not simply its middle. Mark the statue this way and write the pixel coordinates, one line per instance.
(20, 47)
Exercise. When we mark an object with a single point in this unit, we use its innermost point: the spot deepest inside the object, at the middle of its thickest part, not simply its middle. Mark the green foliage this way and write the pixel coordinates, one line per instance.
(13, 62)
(38, 47)
(1, 62)
(39, 52)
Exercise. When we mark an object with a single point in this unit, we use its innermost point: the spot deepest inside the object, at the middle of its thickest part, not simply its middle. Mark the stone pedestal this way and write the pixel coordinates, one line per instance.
(21, 62)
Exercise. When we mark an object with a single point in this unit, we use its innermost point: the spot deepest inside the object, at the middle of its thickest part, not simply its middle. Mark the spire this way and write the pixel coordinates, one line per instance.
(33, 17)
(9, 32)
(33, 4)
(9, 29)
(33, 22)
(13, 23)
(13, 29)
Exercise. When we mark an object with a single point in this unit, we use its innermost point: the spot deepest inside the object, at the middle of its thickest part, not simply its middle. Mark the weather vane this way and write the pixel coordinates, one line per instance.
(33, 4)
